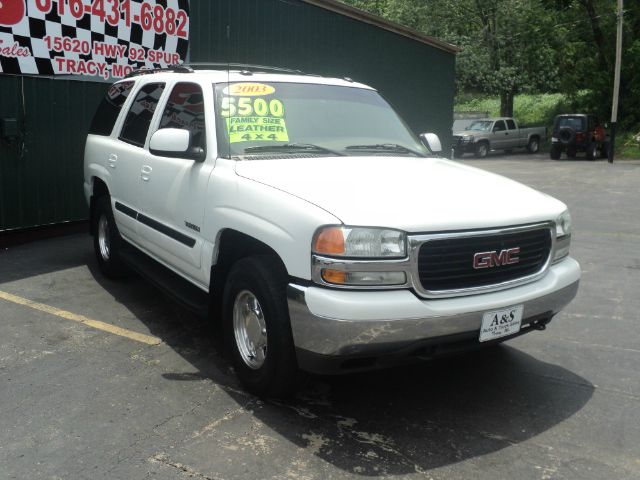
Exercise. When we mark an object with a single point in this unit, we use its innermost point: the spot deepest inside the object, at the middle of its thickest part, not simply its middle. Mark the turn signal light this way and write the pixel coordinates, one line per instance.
(334, 276)
(330, 241)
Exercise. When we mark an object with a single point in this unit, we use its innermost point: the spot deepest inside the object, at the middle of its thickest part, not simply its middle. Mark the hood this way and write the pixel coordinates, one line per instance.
(466, 133)
(408, 193)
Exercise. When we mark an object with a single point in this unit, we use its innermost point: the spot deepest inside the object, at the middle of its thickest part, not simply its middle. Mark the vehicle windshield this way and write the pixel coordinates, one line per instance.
(481, 125)
(276, 118)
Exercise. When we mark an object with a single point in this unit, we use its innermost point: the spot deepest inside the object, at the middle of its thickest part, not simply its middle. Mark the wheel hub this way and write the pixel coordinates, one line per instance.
(104, 241)
(250, 329)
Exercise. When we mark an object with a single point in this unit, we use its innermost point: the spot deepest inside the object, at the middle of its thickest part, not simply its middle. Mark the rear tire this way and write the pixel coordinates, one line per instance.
(107, 241)
(592, 151)
(555, 152)
(256, 325)
(534, 145)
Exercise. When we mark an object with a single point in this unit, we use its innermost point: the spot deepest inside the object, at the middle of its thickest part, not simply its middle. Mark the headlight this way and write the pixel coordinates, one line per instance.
(360, 242)
(563, 236)
(467, 139)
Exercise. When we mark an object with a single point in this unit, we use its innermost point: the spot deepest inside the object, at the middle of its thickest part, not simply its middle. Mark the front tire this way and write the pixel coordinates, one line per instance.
(481, 150)
(555, 152)
(256, 327)
(107, 241)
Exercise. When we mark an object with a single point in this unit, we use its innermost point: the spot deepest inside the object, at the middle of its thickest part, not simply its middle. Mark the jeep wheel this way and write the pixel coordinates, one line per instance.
(555, 152)
(604, 150)
(256, 327)
(592, 151)
(482, 149)
(533, 145)
(106, 240)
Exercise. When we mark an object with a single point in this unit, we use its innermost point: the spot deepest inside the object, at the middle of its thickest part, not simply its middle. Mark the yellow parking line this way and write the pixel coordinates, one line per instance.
(106, 327)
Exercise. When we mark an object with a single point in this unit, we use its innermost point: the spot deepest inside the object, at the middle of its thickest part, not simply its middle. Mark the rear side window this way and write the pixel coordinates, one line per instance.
(136, 125)
(511, 125)
(109, 108)
(499, 126)
(185, 110)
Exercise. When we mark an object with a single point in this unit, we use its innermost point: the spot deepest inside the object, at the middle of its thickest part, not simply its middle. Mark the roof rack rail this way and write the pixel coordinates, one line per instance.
(170, 68)
(244, 68)
(248, 67)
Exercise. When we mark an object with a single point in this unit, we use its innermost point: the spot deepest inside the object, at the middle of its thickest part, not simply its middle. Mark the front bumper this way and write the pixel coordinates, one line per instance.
(333, 329)
(462, 146)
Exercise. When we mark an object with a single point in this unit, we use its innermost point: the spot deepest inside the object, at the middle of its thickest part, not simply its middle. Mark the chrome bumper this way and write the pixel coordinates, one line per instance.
(337, 323)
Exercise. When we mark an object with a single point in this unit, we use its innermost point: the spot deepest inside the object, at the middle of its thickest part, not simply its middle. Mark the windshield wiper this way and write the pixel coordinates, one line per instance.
(292, 146)
(389, 147)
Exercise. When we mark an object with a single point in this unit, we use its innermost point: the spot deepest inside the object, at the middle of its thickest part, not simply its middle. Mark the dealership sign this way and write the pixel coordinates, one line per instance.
(94, 38)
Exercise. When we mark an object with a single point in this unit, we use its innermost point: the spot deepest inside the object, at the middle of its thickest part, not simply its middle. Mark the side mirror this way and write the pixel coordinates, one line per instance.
(176, 143)
(431, 141)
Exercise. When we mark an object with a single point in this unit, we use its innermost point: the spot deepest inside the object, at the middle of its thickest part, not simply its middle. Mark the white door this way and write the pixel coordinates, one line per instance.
(174, 188)
(125, 158)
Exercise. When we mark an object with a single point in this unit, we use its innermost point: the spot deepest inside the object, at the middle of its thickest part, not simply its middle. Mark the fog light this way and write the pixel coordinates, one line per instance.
(339, 277)
(334, 276)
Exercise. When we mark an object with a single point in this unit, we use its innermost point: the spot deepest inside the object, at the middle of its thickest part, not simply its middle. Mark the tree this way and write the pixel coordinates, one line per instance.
(500, 52)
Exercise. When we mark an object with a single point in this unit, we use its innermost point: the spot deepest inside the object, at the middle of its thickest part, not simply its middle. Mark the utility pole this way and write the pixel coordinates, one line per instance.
(616, 83)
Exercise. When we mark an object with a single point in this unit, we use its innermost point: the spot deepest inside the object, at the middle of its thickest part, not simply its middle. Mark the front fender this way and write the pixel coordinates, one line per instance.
(278, 219)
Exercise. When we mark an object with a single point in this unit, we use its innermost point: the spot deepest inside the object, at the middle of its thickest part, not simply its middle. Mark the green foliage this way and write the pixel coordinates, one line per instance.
(529, 109)
(628, 146)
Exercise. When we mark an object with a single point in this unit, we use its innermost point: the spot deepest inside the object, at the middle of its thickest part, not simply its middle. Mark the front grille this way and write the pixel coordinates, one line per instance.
(447, 264)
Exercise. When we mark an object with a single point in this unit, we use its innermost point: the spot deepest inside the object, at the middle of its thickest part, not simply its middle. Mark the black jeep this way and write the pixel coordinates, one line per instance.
(578, 132)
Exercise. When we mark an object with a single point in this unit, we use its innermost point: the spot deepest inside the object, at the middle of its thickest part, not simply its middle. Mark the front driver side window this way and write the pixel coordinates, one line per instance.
(185, 110)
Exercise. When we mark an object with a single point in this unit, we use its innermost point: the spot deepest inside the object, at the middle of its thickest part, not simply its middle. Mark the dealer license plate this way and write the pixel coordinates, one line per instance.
(501, 323)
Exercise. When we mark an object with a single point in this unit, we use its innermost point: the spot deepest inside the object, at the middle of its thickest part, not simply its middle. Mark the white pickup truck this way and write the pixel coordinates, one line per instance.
(302, 213)
(491, 134)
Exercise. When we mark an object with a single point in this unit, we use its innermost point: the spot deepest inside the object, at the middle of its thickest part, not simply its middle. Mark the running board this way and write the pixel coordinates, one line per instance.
(171, 284)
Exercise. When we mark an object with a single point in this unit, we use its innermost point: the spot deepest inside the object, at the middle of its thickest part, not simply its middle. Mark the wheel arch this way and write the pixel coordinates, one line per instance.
(230, 247)
(98, 189)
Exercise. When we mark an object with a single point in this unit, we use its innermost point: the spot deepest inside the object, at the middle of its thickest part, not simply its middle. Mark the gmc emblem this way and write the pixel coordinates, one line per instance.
(493, 259)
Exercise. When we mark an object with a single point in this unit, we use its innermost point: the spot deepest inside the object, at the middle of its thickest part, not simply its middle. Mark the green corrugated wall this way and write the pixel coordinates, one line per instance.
(42, 183)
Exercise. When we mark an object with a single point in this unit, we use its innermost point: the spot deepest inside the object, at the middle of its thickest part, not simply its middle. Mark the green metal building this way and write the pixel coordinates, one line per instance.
(44, 120)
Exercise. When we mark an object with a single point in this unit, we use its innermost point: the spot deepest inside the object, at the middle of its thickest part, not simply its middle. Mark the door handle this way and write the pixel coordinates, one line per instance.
(111, 161)
(145, 172)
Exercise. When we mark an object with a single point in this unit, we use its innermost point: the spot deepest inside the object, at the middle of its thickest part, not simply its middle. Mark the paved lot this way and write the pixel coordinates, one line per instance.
(79, 402)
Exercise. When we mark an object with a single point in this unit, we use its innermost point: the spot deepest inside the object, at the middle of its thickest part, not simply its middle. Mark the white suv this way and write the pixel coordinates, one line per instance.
(303, 214)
